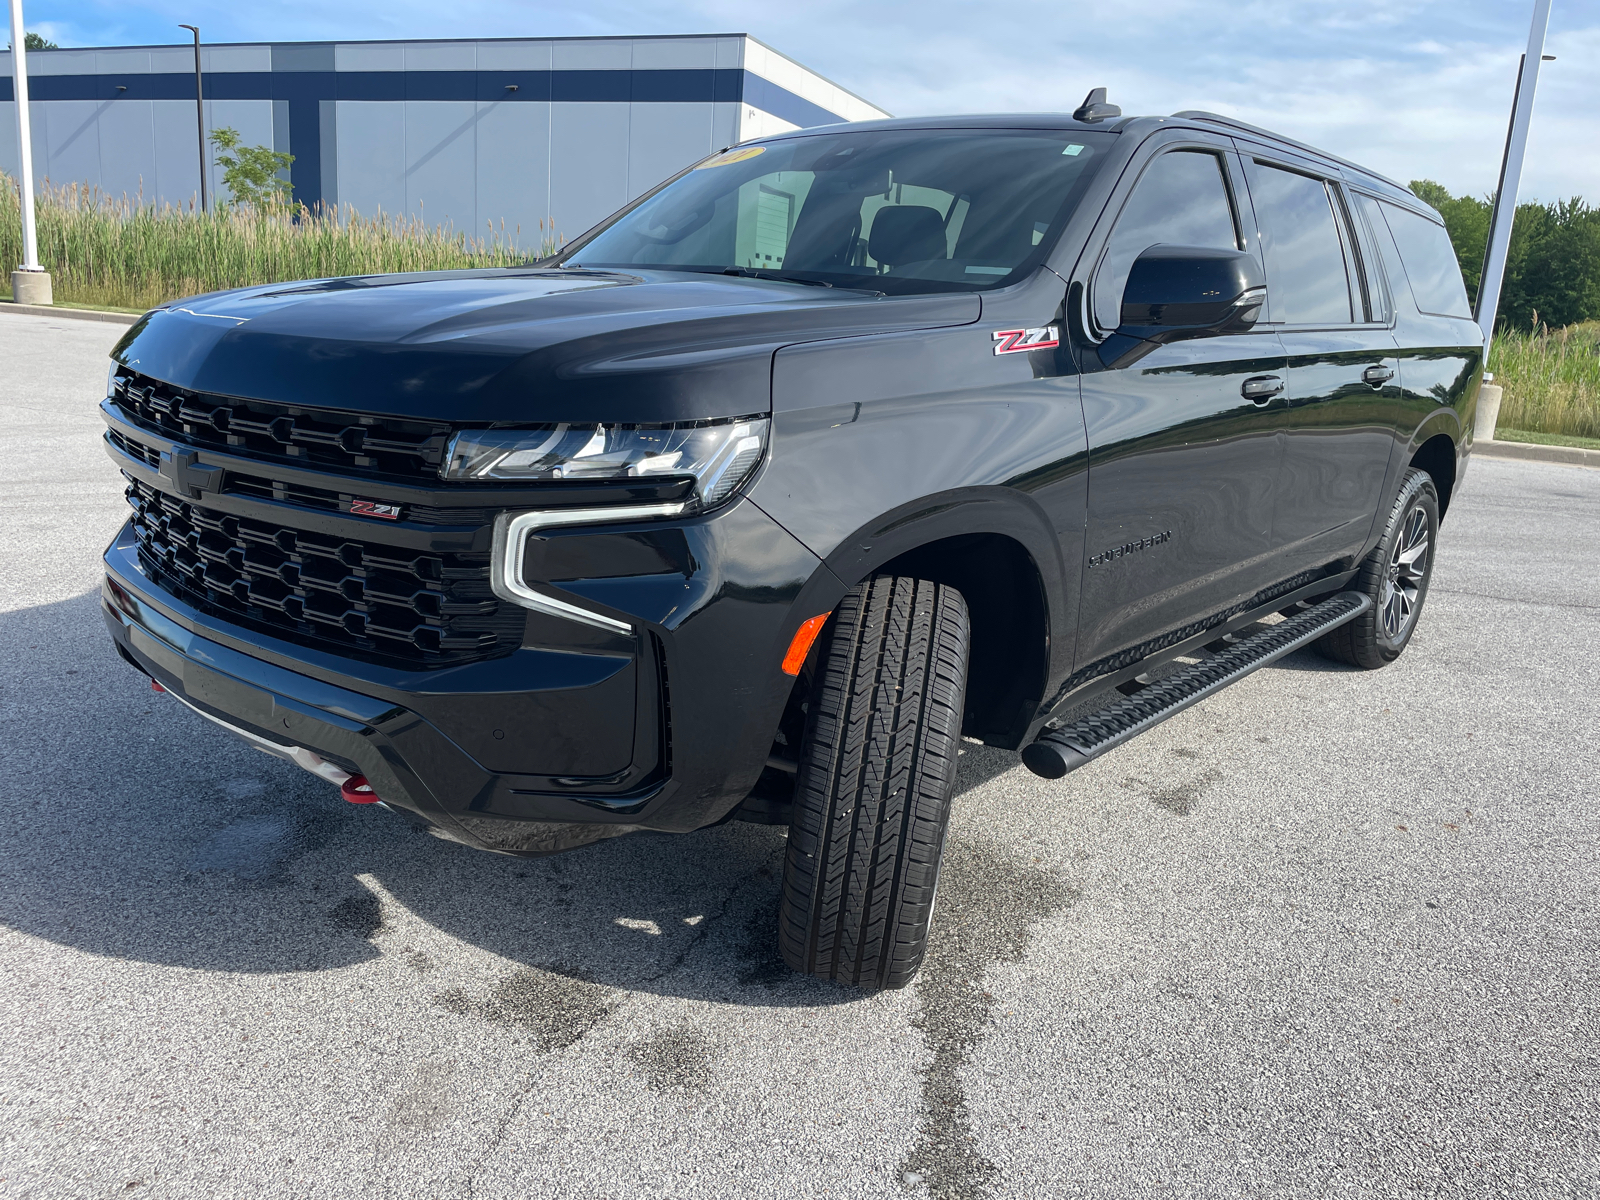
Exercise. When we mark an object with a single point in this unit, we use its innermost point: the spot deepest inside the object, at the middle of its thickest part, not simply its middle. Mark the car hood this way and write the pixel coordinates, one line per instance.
(523, 345)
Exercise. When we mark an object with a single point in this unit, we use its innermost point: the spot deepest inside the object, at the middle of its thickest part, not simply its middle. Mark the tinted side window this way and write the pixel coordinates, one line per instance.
(1430, 262)
(1306, 276)
(1388, 253)
(1361, 215)
(1180, 200)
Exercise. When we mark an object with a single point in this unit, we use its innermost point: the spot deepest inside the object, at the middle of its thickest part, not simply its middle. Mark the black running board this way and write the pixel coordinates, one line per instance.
(1068, 748)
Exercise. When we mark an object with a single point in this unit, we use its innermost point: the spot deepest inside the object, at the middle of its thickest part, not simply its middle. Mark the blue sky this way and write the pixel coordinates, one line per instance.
(1410, 88)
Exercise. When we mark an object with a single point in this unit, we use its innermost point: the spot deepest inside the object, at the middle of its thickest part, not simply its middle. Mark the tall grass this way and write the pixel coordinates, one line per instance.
(1551, 379)
(124, 253)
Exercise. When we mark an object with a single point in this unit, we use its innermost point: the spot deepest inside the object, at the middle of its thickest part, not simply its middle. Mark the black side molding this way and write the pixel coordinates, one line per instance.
(1068, 748)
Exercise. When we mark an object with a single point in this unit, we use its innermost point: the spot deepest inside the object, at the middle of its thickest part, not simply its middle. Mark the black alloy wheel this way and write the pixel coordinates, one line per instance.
(1409, 564)
(1395, 574)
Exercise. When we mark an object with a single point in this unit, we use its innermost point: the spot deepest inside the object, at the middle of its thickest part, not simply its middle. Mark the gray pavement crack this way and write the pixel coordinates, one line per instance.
(509, 1005)
(989, 905)
(711, 919)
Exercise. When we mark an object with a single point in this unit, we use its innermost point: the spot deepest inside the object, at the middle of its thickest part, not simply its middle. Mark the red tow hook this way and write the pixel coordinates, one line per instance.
(156, 687)
(357, 790)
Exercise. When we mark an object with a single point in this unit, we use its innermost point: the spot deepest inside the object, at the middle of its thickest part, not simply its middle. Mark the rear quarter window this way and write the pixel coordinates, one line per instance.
(1430, 262)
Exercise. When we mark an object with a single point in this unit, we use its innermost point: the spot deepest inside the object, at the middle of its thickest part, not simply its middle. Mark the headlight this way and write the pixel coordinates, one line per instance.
(717, 455)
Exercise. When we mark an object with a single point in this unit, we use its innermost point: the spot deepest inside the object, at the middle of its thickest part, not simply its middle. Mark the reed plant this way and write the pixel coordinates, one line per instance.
(1551, 379)
(111, 252)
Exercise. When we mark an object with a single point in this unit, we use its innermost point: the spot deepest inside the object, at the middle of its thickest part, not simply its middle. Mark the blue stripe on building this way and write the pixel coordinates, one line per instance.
(784, 104)
(303, 91)
(603, 87)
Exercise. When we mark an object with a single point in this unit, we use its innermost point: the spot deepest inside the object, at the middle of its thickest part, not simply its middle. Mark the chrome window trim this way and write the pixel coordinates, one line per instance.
(511, 533)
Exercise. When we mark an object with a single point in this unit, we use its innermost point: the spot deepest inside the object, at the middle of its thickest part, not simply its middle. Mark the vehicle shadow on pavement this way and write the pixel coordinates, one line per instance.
(136, 830)
(1309, 660)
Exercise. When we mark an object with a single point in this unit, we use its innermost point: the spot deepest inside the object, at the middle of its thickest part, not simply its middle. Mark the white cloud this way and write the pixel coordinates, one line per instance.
(1411, 88)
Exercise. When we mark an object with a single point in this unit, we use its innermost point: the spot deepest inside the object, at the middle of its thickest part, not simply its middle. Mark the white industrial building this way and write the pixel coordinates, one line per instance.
(473, 133)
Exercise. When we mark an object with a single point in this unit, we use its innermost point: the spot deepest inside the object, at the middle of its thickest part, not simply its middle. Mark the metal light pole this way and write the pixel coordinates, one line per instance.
(29, 283)
(1505, 196)
(199, 110)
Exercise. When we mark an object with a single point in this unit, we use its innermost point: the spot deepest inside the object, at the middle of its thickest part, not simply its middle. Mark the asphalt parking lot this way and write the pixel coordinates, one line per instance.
(1329, 933)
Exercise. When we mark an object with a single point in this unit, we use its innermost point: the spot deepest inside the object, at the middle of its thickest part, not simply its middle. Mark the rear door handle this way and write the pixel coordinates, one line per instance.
(1260, 389)
(1377, 375)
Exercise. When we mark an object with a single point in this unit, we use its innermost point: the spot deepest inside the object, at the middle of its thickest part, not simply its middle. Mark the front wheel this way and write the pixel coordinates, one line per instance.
(877, 771)
(1396, 575)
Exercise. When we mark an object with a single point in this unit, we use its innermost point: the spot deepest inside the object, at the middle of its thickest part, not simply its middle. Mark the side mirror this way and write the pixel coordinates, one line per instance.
(1177, 292)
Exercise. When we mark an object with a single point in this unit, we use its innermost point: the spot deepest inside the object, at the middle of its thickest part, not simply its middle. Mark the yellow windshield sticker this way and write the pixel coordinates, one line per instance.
(742, 154)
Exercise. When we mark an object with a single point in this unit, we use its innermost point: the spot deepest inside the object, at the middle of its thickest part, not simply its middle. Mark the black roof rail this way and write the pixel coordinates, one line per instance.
(1198, 114)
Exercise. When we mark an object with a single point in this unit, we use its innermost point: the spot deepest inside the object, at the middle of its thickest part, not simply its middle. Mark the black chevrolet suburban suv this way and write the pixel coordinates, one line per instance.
(833, 450)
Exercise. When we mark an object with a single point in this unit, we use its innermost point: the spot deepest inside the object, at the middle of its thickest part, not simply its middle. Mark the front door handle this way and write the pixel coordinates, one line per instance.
(1378, 375)
(1260, 389)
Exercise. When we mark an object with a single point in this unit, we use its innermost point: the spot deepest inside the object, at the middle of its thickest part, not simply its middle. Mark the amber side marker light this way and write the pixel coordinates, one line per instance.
(801, 646)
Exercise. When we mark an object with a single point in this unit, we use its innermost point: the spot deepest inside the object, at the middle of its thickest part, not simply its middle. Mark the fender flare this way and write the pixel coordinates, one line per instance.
(994, 510)
(1443, 420)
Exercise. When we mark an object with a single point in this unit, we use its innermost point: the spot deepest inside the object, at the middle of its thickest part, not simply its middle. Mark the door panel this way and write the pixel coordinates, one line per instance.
(1332, 314)
(1441, 358)
(1183, 473)
(1338, 437)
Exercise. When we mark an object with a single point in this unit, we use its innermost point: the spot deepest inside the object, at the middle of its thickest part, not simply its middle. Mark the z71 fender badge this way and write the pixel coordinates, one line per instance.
(371, 508)
(1019, 341)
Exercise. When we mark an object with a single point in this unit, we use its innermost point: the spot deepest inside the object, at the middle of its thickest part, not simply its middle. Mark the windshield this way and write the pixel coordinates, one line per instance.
(895, 211)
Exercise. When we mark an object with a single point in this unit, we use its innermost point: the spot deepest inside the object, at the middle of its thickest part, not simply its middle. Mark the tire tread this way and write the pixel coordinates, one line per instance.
(873, 791)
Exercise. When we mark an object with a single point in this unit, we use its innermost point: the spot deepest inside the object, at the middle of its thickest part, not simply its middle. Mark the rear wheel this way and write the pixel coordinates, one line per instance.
(1396, 575)
(877, 770)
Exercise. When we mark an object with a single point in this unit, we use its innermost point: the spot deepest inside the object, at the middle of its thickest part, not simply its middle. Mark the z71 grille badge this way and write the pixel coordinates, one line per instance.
(371, 508)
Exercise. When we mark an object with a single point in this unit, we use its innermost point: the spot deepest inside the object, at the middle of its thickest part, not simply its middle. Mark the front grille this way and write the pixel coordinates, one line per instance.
(261, 487)
(346, 441)
(365, 598)
(150, 458)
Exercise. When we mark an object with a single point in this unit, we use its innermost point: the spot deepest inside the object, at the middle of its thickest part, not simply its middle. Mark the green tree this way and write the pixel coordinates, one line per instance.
(1557, 258)
(252, 174)
(33, 41)
(1552, 262)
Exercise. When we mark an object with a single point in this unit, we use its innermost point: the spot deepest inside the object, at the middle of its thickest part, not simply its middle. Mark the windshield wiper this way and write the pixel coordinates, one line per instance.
(778, 276)
(740, 272)
(753, 273)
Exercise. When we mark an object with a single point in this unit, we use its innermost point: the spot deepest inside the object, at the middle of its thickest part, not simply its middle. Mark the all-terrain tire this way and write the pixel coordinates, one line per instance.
(872, 797)
(1396, 575)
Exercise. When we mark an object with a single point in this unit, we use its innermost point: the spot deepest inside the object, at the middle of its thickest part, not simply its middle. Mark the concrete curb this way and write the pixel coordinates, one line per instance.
(1575, 456)
(75, 314)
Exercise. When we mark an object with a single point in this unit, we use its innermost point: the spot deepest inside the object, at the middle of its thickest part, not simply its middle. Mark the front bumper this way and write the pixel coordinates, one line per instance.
(500, 754)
